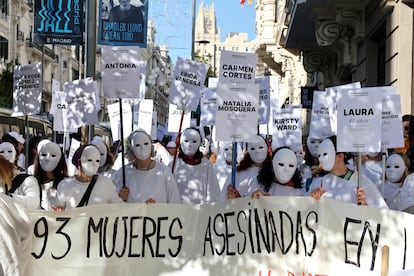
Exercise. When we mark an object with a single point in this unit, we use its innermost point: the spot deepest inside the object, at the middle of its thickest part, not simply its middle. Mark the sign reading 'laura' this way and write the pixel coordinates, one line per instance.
(58, 22)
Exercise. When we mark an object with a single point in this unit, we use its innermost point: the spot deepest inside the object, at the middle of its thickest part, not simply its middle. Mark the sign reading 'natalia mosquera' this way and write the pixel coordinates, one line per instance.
(58, 22)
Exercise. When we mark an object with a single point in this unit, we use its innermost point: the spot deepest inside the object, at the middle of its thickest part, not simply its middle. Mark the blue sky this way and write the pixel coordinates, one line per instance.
(173, 20)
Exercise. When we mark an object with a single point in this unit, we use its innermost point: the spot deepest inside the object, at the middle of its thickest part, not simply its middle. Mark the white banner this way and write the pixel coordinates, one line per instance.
(83, 102)
(174, 119)
(115, 120)
(27, 89)
(237, 67)
(189, 78)
(320, 126)
(208, 107)
(236, 117)
(272, 236)
(123, 74)
(287, 128)
(359, 115)
(331, 98)
(145, 115)
(392, 129)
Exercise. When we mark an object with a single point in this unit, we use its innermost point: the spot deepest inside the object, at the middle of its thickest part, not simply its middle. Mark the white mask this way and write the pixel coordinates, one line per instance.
(49, 156)
(257, 150)
(8, 151)
(313, 145)
(190, 141)
(205, 146)
(141, 146)
(228, 152)
(327, 154)
(284, 165)
(394, 168)
(103, 151)
(90, 160)
(300, 156)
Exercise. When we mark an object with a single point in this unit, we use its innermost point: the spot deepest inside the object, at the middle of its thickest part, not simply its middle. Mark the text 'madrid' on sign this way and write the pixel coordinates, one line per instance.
(58, 22)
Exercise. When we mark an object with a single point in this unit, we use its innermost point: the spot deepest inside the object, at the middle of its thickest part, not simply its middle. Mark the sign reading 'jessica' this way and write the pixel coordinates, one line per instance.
(58, 22)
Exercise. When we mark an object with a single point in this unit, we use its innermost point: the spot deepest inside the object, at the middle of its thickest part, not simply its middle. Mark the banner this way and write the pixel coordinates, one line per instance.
(236, 116)
(359, 115)
(27, 89)
(123, 23)
(291, 236)
(123, 74)
(188, 81)
(58, 22)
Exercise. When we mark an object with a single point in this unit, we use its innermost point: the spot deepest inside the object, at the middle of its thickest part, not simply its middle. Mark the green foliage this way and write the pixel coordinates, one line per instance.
(6, 89)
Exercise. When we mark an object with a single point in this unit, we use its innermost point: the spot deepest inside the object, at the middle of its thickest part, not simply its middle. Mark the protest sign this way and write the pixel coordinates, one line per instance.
(115, 120)
(123, 74)
(392, 129)
(331, 98)
(292, 236)
(359, 115)
(83, 102)
(27, 89)
(174, 119)
(188, 81)
(320, 126)
(287, 128)
(236, 117)
(236, 67)
(267, 94)
(145, 115)
(208, 107)
(58, 108)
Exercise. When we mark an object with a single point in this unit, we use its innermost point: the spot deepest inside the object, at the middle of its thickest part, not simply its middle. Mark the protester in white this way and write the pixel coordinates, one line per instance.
(72, 189)
(106, 157)
(281, 177)
(304, 170)
(248, 169)
(162, 154)
(49, 169)
(341, 183)
(146, 179)
(16, 232)
(372, 167)
(194, 174)
(396, 171)
(27, 191)
(21, 159)
(224, 165)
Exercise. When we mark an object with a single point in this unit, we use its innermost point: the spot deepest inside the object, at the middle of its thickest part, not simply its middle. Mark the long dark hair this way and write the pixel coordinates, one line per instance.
(60, 172)
(266, 175)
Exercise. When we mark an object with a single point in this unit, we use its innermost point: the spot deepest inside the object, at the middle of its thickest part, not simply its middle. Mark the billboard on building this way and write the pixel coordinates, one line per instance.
(58, 22)
(123, 23)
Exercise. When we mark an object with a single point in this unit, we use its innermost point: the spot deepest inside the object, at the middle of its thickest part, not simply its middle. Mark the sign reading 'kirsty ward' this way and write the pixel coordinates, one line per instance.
(58, 22)
(27, 89)
(287, 128)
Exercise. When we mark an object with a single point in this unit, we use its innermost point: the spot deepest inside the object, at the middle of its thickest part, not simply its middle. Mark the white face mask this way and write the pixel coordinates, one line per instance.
(284, 165)
(313, 145)
(257, 150)
(49, 156)
(228, 152)
(394, 168)
(90, 160)
(326, 154)
(300, 156)
(190, 141)
(103, 151)
(205, 146)
(8, 151)
(141, 146)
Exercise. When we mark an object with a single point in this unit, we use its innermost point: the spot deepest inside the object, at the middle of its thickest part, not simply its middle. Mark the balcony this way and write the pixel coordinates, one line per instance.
(39, 49)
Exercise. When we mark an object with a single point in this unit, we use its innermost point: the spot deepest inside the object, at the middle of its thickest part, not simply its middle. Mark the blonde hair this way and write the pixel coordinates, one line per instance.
(6, 173)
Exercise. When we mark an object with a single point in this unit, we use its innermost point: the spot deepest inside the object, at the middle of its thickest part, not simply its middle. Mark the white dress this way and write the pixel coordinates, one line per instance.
(197, 183)
(157, 183)
(345, 190)
(246, 181)
(70, 191)
(392, 194)
(407, 193)
(28, 193)
(277, 189)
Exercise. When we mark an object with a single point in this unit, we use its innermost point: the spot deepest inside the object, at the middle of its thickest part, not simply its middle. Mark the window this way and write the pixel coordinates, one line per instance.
(4, 7)
(4, 48)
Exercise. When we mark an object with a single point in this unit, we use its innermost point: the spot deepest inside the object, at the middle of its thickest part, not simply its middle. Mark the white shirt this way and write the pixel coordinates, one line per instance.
(28, 193)
(70, 191)
(197, 183)
(407, 193)
(345, 190)
(157, 183)
(277, 189)
(246, 181)
(392, 195)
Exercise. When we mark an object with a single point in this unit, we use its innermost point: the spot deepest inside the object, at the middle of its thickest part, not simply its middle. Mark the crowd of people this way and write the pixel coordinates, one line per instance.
(190, 173)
